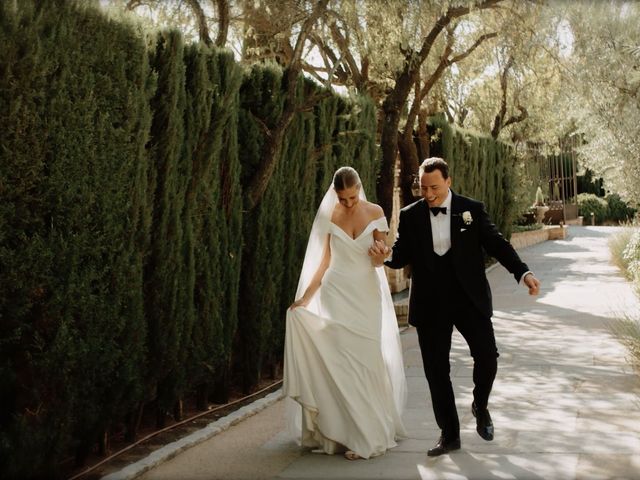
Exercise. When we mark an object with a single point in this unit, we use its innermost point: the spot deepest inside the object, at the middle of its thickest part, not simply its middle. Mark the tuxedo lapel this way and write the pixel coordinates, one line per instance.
(456, 216)
(424, 226)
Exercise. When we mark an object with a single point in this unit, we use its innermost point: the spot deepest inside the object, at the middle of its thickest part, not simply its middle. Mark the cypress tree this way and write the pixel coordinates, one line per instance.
(213, 83)
(230, 205)
(165, 271)
(25, 256)
(260, 95)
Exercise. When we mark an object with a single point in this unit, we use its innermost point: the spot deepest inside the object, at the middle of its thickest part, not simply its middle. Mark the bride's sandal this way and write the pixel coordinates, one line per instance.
(351, 455)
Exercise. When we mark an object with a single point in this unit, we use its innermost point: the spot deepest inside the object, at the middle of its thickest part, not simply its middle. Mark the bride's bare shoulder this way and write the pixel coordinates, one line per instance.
(374, 211)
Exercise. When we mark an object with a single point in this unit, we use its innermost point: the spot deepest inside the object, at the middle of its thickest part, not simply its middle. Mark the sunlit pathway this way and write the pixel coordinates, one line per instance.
(565, 404)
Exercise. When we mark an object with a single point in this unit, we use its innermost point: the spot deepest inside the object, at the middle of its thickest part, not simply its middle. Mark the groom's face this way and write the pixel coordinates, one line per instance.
(434, 187)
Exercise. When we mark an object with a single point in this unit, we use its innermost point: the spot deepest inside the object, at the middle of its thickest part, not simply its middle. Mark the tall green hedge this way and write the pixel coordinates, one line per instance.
(122, 231)
(74, 121)
(481, 168)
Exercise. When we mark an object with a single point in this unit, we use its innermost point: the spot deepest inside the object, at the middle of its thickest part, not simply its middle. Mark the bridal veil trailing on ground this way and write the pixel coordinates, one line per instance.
(343, 369)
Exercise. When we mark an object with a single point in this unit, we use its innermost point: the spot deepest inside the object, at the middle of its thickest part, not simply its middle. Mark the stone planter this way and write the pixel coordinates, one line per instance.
(540, 211)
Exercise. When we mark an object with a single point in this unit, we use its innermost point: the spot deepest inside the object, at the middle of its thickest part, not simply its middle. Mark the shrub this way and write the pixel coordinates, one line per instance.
(526, 228)
(617, 209)
(589, 203)
(625, 249)
(617, 245)
(631, 257)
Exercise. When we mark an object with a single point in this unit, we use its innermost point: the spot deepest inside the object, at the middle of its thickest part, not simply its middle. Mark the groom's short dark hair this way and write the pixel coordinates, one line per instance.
(435, 163)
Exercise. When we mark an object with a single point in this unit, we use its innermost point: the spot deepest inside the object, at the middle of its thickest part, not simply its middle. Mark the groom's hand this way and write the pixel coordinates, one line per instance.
(532, 283)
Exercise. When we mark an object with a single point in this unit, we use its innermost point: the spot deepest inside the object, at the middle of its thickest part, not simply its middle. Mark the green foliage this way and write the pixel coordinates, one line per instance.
(588, 184)
(589, 203)
(628, 332)
(74, 131)
(617, 209)
(212, 211)
(117, 230)
(618, 245)
(625, 250)
(631, 257)
(527, 228)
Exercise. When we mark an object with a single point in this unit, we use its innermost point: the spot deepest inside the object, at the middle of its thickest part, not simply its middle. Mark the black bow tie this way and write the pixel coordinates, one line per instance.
(437, 210)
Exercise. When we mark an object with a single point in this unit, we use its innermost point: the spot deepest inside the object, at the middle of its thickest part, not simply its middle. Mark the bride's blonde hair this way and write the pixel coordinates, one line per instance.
(345, 177)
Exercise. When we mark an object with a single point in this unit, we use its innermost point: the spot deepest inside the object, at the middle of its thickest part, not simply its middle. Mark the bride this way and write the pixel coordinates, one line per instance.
(343, 359)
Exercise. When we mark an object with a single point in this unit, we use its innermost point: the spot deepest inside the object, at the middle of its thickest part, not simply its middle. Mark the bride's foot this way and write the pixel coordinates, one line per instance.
(351, 455)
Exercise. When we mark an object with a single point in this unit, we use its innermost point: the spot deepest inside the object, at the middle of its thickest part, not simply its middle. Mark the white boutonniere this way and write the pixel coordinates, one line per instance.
(467, 218)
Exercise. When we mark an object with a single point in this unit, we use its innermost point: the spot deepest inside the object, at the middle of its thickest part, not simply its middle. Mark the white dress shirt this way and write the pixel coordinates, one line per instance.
(441, 228)
(441, 231)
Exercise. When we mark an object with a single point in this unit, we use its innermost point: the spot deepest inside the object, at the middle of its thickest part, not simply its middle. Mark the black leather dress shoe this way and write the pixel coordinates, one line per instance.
(444, 446)
(484, 424)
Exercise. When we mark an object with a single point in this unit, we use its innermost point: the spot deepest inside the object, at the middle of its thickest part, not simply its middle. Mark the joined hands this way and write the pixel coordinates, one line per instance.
(378, 252)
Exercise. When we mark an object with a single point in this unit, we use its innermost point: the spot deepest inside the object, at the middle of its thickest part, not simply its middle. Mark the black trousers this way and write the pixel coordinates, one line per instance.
(451, 307)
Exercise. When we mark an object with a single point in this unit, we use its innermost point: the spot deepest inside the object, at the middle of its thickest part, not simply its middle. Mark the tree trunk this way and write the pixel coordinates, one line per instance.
(161, 417)
(201, 21)
(223, 22)
(178, 410)
(133, 424)
(220, 392)
(389, 141)
(424, 143)
(270, 152)
(409, 162)
(103, 444)
(201, 397)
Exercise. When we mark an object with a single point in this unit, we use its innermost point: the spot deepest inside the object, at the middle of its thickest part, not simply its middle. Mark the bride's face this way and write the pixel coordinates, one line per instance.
(349, 197)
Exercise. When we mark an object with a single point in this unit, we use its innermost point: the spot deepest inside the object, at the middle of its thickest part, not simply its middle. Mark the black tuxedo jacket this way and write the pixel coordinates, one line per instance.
(414, 247)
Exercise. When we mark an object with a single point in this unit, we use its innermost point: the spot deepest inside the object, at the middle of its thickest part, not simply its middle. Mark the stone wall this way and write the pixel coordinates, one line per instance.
(521, 240)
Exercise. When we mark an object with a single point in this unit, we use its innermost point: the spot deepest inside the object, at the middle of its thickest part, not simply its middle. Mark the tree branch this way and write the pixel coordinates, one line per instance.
(333, 64)
(343, 46)
(133, 4)
(444, 63)
(201, 21)
(451, 14)
(498, 122)
(524, 114)
(476, 44)
(271, 150)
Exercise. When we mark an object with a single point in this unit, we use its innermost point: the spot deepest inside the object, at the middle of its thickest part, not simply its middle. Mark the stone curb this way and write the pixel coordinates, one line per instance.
(172, 449)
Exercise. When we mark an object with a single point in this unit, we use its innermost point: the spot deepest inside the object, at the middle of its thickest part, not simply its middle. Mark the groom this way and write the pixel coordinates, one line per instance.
(442, 237)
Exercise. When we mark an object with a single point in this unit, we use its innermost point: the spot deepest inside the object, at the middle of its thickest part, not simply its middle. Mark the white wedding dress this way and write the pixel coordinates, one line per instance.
(343, 359)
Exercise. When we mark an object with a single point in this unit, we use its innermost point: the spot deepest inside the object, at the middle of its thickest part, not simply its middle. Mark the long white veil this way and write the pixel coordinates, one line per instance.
(391, 346)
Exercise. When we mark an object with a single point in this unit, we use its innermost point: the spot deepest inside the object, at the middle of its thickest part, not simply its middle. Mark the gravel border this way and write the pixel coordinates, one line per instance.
(174, 448)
